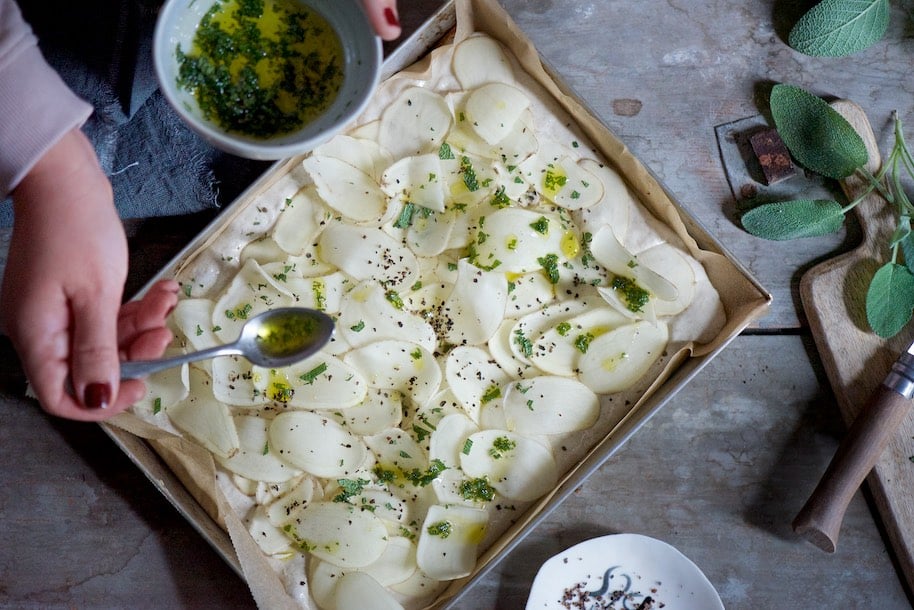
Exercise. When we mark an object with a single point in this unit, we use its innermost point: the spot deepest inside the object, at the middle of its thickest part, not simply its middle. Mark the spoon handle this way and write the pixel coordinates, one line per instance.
(137, 369)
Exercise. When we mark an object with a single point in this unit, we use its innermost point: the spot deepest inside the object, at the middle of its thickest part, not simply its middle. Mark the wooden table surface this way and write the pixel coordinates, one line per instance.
(719, 473)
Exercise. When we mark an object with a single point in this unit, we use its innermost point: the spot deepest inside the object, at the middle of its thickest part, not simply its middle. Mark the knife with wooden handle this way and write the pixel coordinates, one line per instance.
(820, 518)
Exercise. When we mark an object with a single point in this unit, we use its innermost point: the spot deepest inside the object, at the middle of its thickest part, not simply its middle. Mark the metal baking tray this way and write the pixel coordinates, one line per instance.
(425, 38)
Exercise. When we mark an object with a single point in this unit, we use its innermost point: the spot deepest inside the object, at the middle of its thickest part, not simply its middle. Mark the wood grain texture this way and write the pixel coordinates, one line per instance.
(855, 359)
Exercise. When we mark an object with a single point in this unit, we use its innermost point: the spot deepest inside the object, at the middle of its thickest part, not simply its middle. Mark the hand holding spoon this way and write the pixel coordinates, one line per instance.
(274, 338)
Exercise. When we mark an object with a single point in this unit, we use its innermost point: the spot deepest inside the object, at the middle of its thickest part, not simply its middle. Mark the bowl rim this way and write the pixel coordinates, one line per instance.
(251, 148)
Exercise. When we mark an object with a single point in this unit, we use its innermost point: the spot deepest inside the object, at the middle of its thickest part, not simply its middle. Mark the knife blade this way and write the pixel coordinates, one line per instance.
(820, 518)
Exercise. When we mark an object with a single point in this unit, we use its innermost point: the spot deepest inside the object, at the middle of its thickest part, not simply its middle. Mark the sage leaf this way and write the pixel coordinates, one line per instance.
(836, 28)
(890, 299)
(793, 219)
(818, 137)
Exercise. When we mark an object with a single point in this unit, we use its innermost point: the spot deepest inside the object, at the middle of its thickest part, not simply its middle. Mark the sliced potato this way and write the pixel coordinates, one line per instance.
(371, 313)
(448, 439)
(398, 365)
(380, 410)
(478, 60)
(360, 590)
(204, 418)
(558, 348)
(417, 179)
(194, 318)
(346, 189)
(363, 153)
(475, 307)
(549, 405)
(494, 108)
(268, 537)
(339, 533)
(369, 253)
(396, 564)
(614, 208)
(518, 467)
(414, 123)
(518, 240)
(610, 253)
(299, 221)
(316, 444)
(285, 507)
(255, 458)
(449, 539)
(320, 381)
(617, 360)
(474, 378)
(671, 263)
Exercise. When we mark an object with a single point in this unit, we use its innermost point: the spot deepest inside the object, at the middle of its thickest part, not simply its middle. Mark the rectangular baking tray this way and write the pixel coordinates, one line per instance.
(425, 38)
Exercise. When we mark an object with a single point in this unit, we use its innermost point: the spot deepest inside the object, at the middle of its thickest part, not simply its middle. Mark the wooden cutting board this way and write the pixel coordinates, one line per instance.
(855, 359)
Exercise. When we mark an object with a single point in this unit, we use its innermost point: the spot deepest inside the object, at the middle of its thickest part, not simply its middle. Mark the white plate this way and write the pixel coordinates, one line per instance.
(619, 572)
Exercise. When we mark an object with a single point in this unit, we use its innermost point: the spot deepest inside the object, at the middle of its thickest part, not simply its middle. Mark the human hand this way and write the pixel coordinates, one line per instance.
(383, 16)
(63, 286)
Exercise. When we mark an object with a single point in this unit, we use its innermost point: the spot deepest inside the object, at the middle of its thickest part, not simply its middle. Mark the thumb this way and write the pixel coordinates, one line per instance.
(95, 365)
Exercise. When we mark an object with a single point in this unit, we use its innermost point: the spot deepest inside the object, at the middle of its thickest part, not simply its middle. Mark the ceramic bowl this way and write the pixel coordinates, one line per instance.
(175, 27)
(622, 571)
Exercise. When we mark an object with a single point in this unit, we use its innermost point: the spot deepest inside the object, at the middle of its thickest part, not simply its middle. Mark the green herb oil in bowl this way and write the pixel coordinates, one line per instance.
(262, 68)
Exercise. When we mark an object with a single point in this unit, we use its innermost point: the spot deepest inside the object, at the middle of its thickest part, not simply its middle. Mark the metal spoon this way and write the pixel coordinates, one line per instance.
(274, 338)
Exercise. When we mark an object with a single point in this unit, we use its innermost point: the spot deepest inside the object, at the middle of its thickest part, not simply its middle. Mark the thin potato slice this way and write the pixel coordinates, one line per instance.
(254, 458)
(671, 263)
(321, 381)
(610, 253)
(204, 418)
(518, 240)
(398, 365)
(449, 439)
(285, 508)
(417, 179)
(494, 108)
(549, 405)
(300, 221)
(617, 360)
(359, 590)
(475, 307)
(194, 318)
(518, 467)
(396, 564)
(614, 208)
(346, 189)
(474, 378)
(559, 348)
(380, 410)
(370, 313)
(369, 253)
(268, 537)
(414, 123)
(363, 153)
(316, 444)
(340, 534)
(479, 60)
(449, 539)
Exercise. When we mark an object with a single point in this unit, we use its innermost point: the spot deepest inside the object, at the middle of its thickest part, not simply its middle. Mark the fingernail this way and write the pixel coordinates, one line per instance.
(97, 396)
(391, 17)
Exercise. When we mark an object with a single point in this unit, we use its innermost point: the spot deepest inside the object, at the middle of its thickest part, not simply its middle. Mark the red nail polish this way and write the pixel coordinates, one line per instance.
(391, 17)
(97, 396)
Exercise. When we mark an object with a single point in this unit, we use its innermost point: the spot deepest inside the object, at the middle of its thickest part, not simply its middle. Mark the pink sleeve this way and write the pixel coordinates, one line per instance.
(36, 106)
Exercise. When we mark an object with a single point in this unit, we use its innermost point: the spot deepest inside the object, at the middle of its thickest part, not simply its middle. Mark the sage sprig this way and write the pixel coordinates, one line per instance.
(821, 140)
(836, 28)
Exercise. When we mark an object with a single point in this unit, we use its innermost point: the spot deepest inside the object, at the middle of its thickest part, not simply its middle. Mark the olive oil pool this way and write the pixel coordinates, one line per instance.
(262, 68)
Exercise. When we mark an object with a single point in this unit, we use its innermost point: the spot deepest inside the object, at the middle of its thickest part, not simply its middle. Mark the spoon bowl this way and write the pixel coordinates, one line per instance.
(274, 338)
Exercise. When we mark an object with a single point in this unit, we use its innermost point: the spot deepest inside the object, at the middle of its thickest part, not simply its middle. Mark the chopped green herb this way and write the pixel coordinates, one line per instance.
(477, 490)
(500, 446)
(582, 342)
(467, 446)
(441, 529)
(541, 225)
(357, 328)
(469, 174)
(635, 296)
(445, 152)
(526, 346)
(157, 405)
(405, 219)
(491, 393)
(349, 488)
(550, 264)
(394, 299)
(314, 373)
(563, 328)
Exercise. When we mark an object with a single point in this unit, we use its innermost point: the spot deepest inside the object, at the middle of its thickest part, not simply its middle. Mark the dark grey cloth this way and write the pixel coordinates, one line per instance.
(157, 166)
